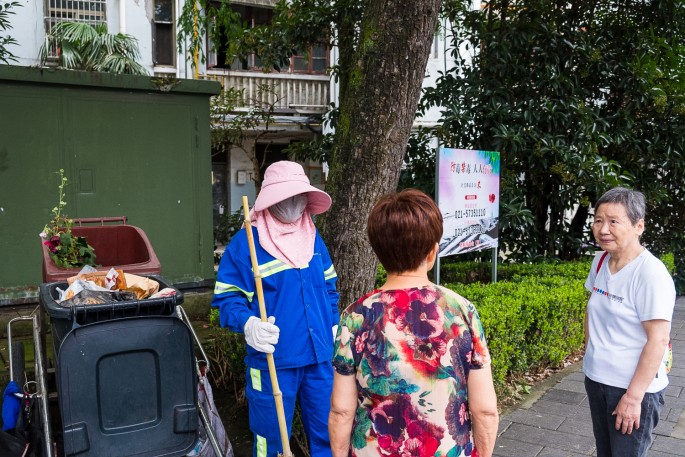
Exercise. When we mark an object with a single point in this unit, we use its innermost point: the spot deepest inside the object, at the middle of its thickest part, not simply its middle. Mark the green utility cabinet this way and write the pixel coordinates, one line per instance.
(131, 146)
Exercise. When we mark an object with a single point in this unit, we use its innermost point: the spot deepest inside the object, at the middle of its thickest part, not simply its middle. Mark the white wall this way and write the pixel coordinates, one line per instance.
(439, 61)
(442, 62)
(28, 30)
(240, 161)
(138, 21)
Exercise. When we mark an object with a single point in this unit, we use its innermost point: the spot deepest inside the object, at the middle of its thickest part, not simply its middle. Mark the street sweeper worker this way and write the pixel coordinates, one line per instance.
(299, 286)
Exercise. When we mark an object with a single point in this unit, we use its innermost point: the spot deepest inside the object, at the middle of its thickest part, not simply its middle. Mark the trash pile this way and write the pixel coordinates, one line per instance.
(92, 287)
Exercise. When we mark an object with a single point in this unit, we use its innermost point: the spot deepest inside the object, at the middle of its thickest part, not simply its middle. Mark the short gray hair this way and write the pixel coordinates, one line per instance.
(632, 200)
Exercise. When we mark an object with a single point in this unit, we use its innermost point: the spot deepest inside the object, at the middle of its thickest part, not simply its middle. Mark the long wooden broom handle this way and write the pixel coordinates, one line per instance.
(278, 396)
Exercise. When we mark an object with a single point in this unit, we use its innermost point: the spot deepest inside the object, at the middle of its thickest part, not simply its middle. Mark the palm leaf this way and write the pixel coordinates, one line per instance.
(78, 32)
(116, 63)
(91, 47)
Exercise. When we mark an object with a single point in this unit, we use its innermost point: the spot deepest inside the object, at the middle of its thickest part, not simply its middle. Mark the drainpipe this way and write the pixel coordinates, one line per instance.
(122, 16)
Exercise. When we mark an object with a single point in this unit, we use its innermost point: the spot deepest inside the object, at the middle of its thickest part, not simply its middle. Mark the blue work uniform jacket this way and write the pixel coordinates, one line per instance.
(304, 301)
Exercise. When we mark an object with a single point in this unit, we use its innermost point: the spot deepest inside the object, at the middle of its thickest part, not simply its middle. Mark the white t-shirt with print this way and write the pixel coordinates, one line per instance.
(641, 291)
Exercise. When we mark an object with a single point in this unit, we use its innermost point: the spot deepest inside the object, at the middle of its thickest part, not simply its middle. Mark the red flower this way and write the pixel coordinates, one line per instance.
(463, 414)
(397, 308)
(424, 439)
(53, 243)
(360, 342)
(480, 355)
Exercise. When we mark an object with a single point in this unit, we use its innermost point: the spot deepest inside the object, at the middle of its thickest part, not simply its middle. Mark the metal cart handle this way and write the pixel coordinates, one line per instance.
(184, 317)
(203, 416)
(42, 391)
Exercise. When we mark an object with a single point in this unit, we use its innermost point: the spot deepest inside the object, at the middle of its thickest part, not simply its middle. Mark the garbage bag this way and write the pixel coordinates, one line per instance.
(12, 445)
(204, 446)
(94, 297)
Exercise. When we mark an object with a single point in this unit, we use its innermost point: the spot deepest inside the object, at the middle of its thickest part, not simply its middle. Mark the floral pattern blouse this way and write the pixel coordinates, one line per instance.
(411, 351)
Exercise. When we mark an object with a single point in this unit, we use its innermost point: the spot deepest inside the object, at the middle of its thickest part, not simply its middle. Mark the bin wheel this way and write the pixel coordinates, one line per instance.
(18, 364)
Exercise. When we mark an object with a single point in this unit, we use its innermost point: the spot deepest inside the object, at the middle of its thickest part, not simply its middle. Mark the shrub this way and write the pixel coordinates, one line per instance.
(532, 320)
(669, 260)
(471, 271)
(228, 225)
(226, 352)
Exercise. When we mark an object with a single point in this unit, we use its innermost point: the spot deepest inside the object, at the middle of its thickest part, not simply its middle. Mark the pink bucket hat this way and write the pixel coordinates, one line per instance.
(286, 179)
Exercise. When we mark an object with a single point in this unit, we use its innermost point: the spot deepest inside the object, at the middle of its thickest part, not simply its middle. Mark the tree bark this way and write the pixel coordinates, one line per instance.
(377, 110)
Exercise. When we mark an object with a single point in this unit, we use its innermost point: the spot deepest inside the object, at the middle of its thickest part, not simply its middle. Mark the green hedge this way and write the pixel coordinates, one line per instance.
(528, 324)
(469, 272)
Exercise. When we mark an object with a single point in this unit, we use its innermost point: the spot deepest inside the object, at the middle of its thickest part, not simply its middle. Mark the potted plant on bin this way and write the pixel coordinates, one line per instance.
(66, 250)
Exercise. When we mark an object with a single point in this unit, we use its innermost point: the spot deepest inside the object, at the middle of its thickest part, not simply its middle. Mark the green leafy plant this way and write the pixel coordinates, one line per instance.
(228, 225)
(66, 249)
(226, 352)
(5, 55)
(669, 261)
(89, 47)
(237, 117)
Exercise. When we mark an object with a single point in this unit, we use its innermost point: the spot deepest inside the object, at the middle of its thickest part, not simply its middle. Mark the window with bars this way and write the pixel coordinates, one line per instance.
(88, 11)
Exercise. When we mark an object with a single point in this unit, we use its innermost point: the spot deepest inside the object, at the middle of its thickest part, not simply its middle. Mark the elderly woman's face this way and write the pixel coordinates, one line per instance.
(613, 230)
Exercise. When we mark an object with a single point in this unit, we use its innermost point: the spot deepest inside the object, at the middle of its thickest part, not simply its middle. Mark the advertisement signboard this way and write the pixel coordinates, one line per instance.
(468, 198)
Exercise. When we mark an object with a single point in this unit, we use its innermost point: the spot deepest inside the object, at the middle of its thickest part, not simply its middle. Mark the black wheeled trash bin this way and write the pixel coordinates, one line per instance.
(126, 378)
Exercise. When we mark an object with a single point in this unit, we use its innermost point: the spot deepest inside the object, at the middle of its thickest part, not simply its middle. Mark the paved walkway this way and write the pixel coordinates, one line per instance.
(554, 420)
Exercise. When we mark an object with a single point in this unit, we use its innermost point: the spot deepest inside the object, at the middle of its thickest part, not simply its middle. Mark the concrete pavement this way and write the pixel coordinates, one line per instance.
(554, 420)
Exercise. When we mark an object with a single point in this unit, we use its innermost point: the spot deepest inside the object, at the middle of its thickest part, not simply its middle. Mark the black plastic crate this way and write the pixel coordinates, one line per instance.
(64, 319)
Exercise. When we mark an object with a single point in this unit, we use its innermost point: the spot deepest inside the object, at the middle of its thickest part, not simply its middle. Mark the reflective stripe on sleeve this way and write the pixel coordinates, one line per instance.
(273, 267)
(330, 273)
(222, 288)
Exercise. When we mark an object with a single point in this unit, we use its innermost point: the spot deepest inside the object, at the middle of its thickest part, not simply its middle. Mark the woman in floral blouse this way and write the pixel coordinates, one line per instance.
(413, 373)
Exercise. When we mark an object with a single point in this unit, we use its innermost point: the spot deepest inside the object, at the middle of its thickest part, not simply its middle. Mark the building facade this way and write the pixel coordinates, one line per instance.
(298, 94)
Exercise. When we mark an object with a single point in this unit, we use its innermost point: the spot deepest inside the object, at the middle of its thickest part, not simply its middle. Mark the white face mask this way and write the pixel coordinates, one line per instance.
(290, 209)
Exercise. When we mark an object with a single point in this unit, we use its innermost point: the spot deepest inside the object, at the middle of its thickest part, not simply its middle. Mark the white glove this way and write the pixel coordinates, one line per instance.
(335, 331)
(261, 335)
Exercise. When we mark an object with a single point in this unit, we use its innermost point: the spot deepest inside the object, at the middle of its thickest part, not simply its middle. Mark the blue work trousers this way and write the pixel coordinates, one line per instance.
(611, 442)
(311, 385)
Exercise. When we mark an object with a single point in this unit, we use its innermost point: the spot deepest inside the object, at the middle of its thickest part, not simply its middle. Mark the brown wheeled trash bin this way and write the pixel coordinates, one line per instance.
(123, 246)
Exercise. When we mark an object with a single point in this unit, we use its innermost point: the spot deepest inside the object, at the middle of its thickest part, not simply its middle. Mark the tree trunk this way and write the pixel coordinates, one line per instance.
(377, 110)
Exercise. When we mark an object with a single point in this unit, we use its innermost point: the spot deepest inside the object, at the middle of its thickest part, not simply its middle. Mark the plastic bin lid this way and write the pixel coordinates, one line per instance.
(128, 387)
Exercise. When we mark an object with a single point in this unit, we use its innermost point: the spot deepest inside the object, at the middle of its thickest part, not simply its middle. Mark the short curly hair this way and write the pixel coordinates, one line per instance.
(403, 228)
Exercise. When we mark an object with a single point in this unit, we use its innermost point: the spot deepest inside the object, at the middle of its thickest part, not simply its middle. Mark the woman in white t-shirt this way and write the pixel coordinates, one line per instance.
(627, 329)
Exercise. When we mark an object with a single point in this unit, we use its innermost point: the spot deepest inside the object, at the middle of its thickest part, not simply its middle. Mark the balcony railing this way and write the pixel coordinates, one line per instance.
(302, 93)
